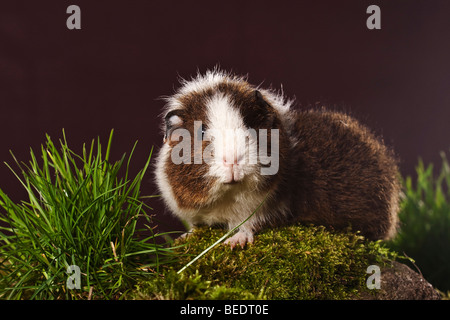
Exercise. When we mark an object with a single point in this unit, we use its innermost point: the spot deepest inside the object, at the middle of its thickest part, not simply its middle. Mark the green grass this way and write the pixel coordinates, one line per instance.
(81, 210)
(425, 223)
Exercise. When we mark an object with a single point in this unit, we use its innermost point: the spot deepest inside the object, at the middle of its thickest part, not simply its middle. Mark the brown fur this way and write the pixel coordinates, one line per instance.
(341, 175)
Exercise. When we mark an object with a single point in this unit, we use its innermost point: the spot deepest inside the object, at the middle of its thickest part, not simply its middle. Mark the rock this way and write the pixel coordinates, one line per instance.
(399, 282)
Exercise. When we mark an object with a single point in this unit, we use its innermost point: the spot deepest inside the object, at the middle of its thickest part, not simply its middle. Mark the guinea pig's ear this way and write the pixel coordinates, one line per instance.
(260, 99)
(174, 120)
(266, 108)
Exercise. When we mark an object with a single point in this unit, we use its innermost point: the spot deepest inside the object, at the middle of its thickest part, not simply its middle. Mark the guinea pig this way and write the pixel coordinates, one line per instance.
(231, 147)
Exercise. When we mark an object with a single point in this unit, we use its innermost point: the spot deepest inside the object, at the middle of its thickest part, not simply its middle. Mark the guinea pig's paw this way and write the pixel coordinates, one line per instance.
(186, 234)
(241, 238)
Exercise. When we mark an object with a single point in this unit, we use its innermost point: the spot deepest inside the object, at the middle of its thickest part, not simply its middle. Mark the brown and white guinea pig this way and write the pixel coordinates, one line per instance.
(230, 146)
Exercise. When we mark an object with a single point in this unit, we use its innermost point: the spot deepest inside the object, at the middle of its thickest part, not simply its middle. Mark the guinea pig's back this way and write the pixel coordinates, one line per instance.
(344, 175)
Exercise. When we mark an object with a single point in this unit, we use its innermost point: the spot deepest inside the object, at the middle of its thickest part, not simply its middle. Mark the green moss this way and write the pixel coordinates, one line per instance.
(295, 262)
(173, 286)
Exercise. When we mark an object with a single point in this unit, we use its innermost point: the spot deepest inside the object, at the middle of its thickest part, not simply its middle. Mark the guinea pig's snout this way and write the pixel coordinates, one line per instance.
(232, 164)
(234, 155)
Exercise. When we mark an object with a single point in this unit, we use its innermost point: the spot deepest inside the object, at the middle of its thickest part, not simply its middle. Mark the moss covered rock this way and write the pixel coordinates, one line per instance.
(295, 262)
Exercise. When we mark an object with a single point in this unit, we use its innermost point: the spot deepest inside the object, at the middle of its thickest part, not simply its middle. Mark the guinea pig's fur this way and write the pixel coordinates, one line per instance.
(327, 168)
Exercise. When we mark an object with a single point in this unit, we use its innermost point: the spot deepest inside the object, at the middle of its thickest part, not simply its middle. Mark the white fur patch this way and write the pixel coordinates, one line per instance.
(233, 148)
(202, 82)
(162, 181)
(221, 115)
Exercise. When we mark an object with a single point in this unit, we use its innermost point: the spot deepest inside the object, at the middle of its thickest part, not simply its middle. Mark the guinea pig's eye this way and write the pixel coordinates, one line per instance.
(201, 132)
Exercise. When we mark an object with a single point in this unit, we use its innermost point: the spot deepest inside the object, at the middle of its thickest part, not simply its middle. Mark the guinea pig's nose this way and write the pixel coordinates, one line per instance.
(229, 163)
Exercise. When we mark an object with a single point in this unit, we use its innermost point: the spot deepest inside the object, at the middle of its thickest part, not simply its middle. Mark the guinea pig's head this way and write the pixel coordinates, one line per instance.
(222, 136)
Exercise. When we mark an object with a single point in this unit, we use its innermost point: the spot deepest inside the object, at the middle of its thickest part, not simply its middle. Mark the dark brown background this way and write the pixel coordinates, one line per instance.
(128, 53)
